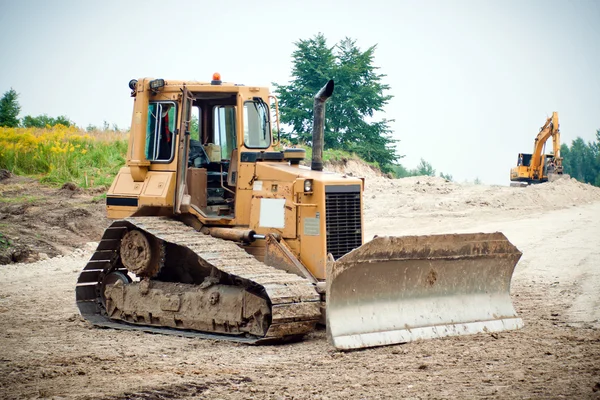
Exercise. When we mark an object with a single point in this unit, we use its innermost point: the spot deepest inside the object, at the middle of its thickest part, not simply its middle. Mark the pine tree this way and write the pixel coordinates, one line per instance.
(9, 109)
(582, 160)
(313, 66)
(350, 115)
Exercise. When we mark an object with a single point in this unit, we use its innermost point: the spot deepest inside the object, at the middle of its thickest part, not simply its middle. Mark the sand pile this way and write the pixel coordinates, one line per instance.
(437, 196)
(434, 195)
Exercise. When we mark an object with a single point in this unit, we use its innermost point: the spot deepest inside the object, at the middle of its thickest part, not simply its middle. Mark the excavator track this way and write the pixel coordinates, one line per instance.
(292, 300)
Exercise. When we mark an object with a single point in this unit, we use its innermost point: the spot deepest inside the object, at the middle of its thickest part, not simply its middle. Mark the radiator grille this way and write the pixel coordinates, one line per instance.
(342, 221)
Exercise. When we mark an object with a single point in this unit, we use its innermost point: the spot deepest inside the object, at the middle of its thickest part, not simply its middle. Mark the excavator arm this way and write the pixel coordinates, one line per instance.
(556, 144)
(549, 129)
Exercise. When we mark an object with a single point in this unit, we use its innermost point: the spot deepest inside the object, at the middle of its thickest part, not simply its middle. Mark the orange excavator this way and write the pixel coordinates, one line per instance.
(540, 167)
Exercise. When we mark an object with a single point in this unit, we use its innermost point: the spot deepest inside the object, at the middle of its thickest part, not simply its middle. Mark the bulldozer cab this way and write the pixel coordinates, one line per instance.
(186, 146)
(215, 138)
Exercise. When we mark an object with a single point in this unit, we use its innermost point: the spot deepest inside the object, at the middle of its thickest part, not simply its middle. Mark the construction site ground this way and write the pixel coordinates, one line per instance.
(48, 351)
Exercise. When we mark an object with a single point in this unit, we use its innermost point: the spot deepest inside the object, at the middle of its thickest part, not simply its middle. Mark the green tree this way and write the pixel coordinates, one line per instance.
(399, 171)
(41, 121)
(424, 168)
(195, 128)
(10, 109)
(313, 64)
(581, 160)
(597, 181)
(350, 115)
(447, 177)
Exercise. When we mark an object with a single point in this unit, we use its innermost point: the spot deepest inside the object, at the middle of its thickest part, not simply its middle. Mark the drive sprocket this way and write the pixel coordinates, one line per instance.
(141, 254)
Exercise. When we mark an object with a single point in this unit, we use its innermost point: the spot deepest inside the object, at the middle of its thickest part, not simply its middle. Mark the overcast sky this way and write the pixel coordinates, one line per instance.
(472, 80)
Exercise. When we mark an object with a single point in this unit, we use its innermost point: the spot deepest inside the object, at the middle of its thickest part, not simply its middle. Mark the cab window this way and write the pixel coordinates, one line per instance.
(256, 125)
(160, 131)
(224, 130)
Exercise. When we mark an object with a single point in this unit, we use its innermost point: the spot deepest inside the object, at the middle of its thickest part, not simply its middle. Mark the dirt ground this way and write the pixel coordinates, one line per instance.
(48, 351)
(42, 222)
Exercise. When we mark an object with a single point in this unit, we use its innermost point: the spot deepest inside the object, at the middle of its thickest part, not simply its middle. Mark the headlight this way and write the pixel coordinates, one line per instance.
(157, 84)
(308, 186)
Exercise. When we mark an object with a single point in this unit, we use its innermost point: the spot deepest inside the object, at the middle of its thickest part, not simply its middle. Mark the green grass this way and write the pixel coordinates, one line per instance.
(99, 198)
(61, 154)
(4, 242)
(20, 199)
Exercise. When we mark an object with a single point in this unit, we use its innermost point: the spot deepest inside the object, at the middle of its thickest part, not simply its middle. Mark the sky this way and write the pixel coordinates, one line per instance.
(472, 80)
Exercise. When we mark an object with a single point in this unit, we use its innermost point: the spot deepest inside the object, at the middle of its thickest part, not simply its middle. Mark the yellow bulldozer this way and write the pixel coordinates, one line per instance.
(219, 235)
(539, 167)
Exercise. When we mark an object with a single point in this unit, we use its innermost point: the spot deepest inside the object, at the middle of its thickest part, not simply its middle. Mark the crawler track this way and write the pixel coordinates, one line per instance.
(294, 302)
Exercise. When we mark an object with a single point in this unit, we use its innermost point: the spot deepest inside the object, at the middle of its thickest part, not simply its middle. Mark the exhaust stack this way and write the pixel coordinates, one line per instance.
(318, 122)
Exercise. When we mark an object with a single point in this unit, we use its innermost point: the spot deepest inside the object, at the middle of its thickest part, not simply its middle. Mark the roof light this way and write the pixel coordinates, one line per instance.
(216, 79)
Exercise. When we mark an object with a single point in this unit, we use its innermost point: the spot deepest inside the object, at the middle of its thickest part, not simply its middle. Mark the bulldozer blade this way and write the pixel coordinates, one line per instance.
(399, 289)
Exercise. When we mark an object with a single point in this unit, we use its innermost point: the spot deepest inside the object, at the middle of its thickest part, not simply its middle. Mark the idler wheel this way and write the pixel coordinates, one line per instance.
(111, 279)
(140, 254)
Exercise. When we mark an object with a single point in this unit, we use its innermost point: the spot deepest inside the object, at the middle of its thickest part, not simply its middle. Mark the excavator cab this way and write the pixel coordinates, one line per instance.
(524, 160)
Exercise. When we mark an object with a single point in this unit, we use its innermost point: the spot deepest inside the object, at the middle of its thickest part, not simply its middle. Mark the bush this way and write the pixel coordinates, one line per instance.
(63, 154)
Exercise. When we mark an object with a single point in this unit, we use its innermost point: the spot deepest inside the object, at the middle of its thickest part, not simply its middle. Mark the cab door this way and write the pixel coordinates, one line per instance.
(183, 149)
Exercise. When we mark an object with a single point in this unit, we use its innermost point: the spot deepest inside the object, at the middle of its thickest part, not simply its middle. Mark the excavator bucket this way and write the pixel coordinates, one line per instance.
(399, 289)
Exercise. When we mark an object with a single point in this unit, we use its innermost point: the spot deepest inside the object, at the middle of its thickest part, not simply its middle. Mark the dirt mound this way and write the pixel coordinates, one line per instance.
(37, 222)
(428, 205)
(353, 167)
(70, 189)
(431, 194)
(12, 252)
(4, 174)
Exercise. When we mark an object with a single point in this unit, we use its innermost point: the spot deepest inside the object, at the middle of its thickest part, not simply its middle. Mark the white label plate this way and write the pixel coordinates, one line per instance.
(272, 213)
